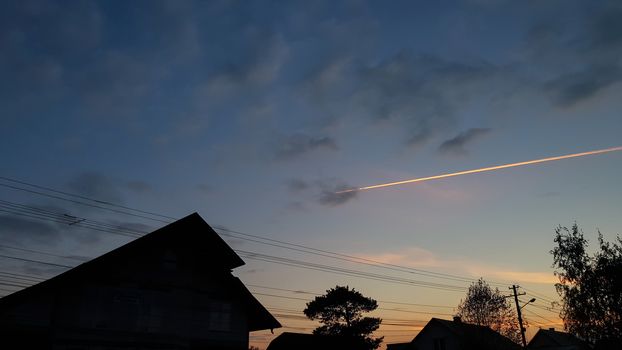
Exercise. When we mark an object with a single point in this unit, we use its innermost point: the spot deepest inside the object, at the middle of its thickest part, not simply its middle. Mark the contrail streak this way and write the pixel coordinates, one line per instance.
(481, 170)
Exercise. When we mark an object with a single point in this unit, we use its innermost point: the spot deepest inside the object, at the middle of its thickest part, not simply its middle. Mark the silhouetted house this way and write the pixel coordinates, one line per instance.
(456, 335)
(550, 339)
(170, 289)
(301, 341)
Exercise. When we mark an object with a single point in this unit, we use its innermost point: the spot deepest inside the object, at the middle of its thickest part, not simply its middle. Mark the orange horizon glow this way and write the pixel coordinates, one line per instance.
(486, 169)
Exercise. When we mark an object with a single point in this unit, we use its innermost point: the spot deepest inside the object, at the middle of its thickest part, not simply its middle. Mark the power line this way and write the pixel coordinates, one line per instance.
(356, 259)
(81, 203)
(65, 217)
(380, 301)
(411, 270)
(42, 253)
(73, 223)
(541, 296)
(380, 308)
(538, 315)
(348, 272)
(312, 266)
(22, 277)
(298, 263)
(84, 197)
(35, 261)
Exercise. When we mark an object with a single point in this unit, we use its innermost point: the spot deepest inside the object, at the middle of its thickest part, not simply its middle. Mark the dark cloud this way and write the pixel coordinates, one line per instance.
(570, 89)
(104, 188)
(299, 144)
(23, 231)
(139, 186)
(322, 191)
(329, 196)
(296, 206)
(579, 58)
(297, 185)
(205, 188)
(422, 93)
(605, 28)
(457, 144)
(97, 186)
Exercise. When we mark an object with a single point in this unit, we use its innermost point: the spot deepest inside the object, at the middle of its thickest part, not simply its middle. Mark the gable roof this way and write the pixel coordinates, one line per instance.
(470, 335)
(553, 338)
(190, 231)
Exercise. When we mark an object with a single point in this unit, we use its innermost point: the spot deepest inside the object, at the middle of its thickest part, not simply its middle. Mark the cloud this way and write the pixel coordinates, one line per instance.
(205, 188)
(297, 185)
(420, 92)
(104, 188)
(299, 144)
(139, 186)
(569, 89)
(97, 186)
(296, 206)
(511, 275)
(417, 257)
(457, 144)
(411, 257)
(321, 191)
(328, 193)
(418, 95)
(578, 62)
(22, 231)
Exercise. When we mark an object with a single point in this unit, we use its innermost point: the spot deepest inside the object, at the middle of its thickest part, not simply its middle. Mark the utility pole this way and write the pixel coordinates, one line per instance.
(520, 318)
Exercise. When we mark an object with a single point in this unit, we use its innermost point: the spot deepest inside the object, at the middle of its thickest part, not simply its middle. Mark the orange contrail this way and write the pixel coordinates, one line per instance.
(481, 170)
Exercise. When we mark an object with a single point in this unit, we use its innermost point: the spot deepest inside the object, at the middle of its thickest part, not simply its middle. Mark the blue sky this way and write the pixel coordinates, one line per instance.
(253, 113)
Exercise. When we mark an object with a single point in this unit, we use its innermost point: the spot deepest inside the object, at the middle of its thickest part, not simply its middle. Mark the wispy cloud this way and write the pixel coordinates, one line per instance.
(300, 144)
(580, 61)
(297, 185)
(329, 195)
(417, 257)
(96, 185)
(457, 144)
(23, 231)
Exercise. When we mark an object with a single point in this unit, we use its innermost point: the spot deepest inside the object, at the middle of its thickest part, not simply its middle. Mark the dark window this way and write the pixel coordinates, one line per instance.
(170, 261)
(220, 316)
(439, 344)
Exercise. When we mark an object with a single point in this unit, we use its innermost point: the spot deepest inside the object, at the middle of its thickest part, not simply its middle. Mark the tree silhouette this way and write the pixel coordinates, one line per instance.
(590, 286)
(341, 312)
(484, 306)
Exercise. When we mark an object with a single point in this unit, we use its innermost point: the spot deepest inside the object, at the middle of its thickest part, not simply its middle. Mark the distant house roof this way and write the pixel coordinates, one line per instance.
(400, 346)
(469, 335)
(301, 341)
(474, 336)
(191, 231)
(552, 339)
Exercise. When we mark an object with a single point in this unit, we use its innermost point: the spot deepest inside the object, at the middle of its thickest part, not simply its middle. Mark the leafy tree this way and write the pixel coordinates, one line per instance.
(590, 286)
(341, 312)
(484, 306)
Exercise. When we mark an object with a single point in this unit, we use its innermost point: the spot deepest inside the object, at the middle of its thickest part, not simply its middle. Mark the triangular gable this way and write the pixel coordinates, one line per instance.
(189, 232)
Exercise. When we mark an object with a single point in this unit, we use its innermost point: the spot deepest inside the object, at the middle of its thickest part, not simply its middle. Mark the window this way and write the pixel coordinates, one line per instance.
(169, 261)
(220, 316)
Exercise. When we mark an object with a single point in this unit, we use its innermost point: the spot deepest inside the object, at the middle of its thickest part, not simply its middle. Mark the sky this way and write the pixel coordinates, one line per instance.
(254, 113)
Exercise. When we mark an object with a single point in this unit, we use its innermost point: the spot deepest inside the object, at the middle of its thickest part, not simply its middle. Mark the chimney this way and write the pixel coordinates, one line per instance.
(457, 319)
